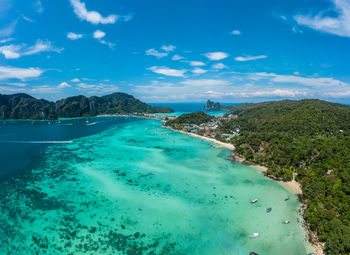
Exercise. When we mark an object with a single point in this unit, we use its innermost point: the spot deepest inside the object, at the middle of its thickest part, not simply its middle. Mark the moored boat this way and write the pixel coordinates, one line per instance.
(254, 201)
(286, 199)
(253, 253)
(285, 222)
(268, 209)
(254, 235)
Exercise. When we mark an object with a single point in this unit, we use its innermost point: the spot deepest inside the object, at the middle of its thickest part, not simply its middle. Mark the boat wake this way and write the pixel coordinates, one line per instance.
(90, 124)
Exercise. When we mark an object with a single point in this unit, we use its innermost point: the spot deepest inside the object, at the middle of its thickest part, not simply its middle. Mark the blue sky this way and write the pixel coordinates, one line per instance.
(177, 51)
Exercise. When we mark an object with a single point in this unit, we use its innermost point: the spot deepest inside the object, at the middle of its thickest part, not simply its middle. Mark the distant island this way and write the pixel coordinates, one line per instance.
(305, 140)
(216, 106)
(24, 106)
(212, 106)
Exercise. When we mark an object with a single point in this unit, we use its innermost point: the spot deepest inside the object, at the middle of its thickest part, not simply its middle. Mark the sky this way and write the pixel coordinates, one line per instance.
(177, 51)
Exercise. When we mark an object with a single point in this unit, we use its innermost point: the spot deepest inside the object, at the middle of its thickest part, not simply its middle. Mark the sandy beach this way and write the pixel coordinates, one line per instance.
(226, 145)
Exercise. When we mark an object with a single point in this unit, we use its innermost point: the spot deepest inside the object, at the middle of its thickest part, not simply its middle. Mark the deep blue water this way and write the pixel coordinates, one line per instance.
(21, 141)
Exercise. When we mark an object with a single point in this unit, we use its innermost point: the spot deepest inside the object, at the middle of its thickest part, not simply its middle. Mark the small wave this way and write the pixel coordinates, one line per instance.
(45, 142)
(90, 124)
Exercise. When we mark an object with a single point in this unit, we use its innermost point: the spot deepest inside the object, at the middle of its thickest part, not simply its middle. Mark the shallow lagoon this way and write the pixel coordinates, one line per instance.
(137, 188)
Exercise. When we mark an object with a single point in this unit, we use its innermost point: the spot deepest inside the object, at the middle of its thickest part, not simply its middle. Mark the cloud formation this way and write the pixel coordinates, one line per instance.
(154, 52)
(63, 85)
(197, 63)
(177, 57)
(306, 81)
(38, 6)
(94, 17)
(219, 66)
(74, 36)
(98, 34)
(205, 82)
(235, 32)
(250, 58)
(339, 25)
(13, 51)
(168, 71)
(215, 56)
(9, 72)
(198, 70)
(8, 30)
(168, 48)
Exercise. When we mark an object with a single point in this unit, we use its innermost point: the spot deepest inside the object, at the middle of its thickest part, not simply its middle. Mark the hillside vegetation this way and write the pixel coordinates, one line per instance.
(23, 106)
(310, 138)
(190, 118)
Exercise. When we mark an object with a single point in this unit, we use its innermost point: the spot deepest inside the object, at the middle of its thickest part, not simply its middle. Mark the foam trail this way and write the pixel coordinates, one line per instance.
(44, 142)
(90, 124)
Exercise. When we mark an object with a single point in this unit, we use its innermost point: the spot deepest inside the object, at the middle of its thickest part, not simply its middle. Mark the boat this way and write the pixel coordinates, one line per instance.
(286, 199)
(253, 253)
(285, 222)
(254, 235)
(254, 201)
(268, 209)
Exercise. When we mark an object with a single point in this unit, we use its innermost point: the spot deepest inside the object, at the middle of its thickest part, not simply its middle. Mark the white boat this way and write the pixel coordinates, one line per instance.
(254, 201)
(285, 222)
(254, 235)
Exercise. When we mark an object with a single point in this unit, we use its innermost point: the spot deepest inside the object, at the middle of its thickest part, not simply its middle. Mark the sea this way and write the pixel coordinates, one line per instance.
(125, 185)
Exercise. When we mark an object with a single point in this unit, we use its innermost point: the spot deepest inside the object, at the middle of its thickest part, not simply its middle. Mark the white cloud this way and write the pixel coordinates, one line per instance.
(75, 80)
(27, 19)
(205, 82)
(6, 40)
(250, 58)
(168, 48)
(197, 63)
(8, 72)
(109, 44)
(339, 25)
(306, 81)
(16, 51)
(235, 32)
(99, 88)
(41, 46)
(16, 84)
(63, 85)
(44, 89)
(216, 55)
(198, 70)
(93, 16)
(38, 6)
(98, 34)
(275, 93)
(219, 66)
(177, 57)
(74, 36)
(8, 30)
(154, 52)
(168, 71)
(10, 51)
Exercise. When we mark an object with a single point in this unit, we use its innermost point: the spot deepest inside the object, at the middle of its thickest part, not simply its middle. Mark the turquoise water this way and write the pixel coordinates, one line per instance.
(137, 188)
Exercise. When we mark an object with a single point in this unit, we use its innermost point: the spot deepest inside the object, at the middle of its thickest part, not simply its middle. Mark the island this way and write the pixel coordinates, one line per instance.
(307, 141)
(212, 106)
(24, 106)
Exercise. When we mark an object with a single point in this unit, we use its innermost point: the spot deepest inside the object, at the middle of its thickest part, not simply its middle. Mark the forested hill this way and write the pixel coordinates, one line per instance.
(312, 139)
(23, 106)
